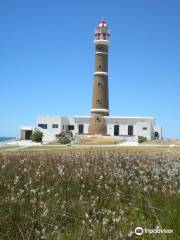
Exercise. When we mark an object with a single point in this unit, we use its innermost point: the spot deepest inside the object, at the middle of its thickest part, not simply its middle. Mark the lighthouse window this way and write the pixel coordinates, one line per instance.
(98, 101)
(100, 48)
(98, 119)
(99, 84)
(100, 66)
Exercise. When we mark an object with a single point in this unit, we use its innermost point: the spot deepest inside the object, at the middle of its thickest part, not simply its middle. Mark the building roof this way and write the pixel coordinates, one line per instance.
(121, 117)
(27, 128)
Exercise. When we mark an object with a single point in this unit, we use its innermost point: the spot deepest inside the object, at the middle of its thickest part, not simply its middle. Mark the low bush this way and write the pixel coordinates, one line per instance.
(141, 139)
(63, 138)
(37, 136)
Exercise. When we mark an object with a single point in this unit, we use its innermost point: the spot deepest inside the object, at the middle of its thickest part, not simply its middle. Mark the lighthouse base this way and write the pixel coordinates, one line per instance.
(97, 125)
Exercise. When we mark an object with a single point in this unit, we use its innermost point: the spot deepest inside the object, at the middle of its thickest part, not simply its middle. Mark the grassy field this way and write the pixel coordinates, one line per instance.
(8, 148)
(121, 149)
(92, 141)
(91, 193)
(164, 142)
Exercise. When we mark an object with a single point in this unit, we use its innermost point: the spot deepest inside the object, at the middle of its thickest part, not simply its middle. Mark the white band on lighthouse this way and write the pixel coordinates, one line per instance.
(99, 110)
(101, 73)
(102, 53)
(101, 41)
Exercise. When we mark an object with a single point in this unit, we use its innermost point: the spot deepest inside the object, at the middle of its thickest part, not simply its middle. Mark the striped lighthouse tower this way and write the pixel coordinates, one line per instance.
(100, 98)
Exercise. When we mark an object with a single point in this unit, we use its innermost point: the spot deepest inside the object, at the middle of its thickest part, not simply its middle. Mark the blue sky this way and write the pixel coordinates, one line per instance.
(47, 60)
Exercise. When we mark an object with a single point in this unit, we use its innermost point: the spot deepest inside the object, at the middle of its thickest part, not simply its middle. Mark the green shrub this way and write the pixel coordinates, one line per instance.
(63, 138)
(37, 136)
(141, 139)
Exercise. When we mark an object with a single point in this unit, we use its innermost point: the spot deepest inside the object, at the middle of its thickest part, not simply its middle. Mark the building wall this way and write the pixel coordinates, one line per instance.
(50, 133)
(144, 129)
(22, 135)
(141, 126)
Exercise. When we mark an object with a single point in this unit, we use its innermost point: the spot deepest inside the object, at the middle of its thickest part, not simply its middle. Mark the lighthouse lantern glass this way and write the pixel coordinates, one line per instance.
(102, 31)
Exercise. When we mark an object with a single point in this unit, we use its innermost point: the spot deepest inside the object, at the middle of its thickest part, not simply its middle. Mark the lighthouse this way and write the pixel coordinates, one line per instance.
(100, 97)
(100, 123)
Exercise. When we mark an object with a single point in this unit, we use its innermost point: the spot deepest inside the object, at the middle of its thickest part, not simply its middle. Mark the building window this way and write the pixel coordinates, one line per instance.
(99, 66)
(130, 130)
(63, 127)
(55, 126)
(70, 127)
(144, 128)
(42, 125)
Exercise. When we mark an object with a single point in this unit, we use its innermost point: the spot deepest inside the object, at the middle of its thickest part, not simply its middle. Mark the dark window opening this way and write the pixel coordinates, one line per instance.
(144, 128)
(42, 125)
(70, 127)
(55, 126)
(81, 128)
(99, 84)
(130, 130)
(116, 130)
(98, 101)
(99, 66)
(98, 119)
(63, 127)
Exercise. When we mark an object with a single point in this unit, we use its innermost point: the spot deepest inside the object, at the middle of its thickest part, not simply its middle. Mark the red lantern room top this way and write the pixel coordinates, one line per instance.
(102, 31)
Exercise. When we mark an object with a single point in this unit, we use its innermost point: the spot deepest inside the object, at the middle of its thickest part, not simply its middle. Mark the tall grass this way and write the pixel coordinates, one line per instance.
(88, 195)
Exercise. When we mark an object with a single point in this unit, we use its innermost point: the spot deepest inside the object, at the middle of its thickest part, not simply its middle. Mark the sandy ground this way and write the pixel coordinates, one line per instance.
(20, 144)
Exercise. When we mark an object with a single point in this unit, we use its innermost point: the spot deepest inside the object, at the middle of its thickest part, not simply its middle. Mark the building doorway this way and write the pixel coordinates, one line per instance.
(28, 134)
(116, 130)
(130, 130)
(81, 128)
(156, 135)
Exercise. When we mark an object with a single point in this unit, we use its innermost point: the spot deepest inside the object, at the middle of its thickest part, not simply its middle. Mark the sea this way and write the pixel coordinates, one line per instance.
(4, 139)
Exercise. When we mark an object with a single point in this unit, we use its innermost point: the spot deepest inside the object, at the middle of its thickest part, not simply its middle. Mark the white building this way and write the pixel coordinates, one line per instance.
(124, 128)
